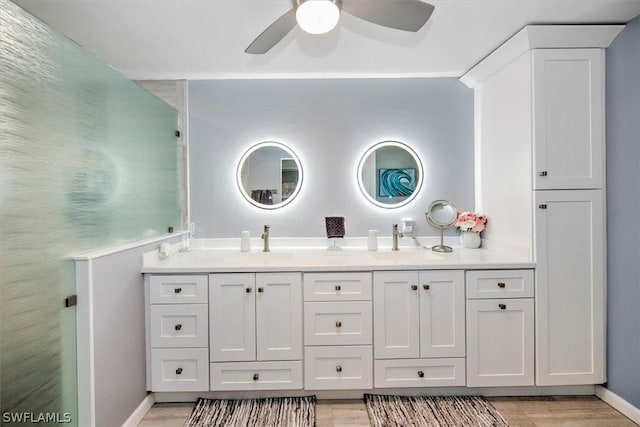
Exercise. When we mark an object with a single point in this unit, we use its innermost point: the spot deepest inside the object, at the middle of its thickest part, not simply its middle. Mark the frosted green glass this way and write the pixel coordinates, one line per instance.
(88, 159)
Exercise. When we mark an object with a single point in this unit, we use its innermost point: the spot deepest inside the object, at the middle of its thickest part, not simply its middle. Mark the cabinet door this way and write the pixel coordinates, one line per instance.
(568, 116)
(279, 316)
(396, 303)
(442, 314)
(232, 333)
(500, 342)
(570, 277)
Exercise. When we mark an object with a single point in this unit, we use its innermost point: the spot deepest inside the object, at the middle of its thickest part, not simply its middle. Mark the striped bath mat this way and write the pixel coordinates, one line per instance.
(432, 411)
(277, 411)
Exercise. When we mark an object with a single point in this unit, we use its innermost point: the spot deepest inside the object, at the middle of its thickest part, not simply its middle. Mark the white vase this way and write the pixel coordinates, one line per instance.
(470, 239)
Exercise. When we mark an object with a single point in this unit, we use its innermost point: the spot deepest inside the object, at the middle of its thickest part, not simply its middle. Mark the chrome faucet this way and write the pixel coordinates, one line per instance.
(396, 235)
(265, 237)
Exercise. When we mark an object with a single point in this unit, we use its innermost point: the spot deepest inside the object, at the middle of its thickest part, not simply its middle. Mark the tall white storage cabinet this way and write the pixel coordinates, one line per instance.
(540, 174)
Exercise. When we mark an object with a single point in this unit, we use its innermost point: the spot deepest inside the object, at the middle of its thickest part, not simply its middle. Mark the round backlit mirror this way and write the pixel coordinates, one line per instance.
(441, 214)
(269, 175)
(390, 174)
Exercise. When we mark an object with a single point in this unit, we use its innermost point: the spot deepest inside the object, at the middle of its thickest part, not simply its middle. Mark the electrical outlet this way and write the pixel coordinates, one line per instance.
(407, 226)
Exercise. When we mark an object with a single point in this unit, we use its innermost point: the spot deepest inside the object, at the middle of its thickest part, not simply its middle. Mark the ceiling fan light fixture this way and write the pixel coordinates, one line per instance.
(317, 16)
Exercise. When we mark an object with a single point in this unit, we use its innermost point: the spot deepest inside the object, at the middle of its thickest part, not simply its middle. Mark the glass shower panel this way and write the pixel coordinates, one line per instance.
(88, 159)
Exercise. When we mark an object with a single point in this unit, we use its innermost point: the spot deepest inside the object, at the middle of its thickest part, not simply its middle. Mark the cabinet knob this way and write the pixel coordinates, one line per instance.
(178, 371)
(414, 287)
(501, 284)
(543, 173)
(261, 290)
(248, 290)
(338, 324)
(177, 290)
(338, 368)
(542, 206)
(420, 374)
(425, 287)
(502, 306)
(338, 288)
(256, 377)
(178, 327)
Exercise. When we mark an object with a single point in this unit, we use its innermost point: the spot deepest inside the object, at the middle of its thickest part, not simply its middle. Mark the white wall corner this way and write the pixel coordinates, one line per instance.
(138, 414)
(618, 403)
(85, 344)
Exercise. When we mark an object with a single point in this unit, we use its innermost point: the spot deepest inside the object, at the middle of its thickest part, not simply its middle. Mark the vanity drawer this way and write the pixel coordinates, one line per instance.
(337, 323)
(340, 367)
(499, 284)
(443, 372)
(169, 289)
(256, 376)
(182, 369)
(179, 325)
(337, 286)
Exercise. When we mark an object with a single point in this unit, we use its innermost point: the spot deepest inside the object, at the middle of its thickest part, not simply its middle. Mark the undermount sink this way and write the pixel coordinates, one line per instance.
(262, 257)
(404, 256)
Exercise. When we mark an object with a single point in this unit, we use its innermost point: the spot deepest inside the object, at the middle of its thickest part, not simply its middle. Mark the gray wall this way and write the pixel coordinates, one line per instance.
(623, 194)
(329, 124)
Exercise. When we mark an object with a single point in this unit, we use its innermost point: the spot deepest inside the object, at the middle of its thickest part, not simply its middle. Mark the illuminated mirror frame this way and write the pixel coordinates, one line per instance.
(361, 165)
(248, 153)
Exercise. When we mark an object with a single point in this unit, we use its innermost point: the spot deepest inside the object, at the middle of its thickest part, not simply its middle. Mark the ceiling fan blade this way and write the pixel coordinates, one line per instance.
(406, 15)
(273, 34)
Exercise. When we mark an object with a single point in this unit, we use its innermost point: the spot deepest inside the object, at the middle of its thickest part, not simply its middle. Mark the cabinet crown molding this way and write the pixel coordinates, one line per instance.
(540, 37)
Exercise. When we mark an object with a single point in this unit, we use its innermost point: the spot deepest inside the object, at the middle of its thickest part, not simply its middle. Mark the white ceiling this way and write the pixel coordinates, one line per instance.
(201, 39)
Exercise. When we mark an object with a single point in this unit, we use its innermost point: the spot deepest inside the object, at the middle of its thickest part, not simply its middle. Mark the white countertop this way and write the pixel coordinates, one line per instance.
(216, 260)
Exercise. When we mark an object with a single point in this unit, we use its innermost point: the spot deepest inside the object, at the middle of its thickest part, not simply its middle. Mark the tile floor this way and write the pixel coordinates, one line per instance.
(574, 411)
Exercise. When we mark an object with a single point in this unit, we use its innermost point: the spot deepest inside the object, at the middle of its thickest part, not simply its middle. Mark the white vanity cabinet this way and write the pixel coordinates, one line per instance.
(419, 328)
(570, 287)
(177, 333)
(500, 328)
(255, 323)
(568, 118)
(541, 149)
(338, 331)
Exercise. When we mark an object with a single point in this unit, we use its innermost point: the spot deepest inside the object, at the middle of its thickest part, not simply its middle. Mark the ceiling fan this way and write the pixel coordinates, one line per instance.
(320, 16)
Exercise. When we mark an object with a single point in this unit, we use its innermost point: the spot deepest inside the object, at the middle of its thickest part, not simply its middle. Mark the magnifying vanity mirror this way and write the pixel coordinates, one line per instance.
(441, 215)
(269, 175)
(390, 174)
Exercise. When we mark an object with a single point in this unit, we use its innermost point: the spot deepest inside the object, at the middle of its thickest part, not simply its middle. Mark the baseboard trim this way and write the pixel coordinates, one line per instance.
(136, 417)
(618, 403)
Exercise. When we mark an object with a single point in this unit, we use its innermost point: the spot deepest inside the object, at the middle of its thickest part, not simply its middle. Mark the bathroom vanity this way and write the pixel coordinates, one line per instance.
(221, 320)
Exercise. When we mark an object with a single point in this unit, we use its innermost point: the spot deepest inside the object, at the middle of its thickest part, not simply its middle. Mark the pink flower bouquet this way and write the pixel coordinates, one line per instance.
(470, 221)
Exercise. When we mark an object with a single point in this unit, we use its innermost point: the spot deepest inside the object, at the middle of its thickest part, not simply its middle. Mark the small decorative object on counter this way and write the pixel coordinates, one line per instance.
(372, 241)
(470, 225)
(245, 242)
(335, 230)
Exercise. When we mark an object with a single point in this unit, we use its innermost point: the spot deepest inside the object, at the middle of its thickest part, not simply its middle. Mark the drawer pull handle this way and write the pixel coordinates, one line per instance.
(501, 285)
(338, 324)
(261, 290)
(543, 173)
(338, 368)
(425, 287)
(178, 327)
(178, 371)
(502, 306)
(420, 374)
(542, 206)
(414, 287)
(256, 377)
(177, 290)
(338, 288)
(248, 290)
